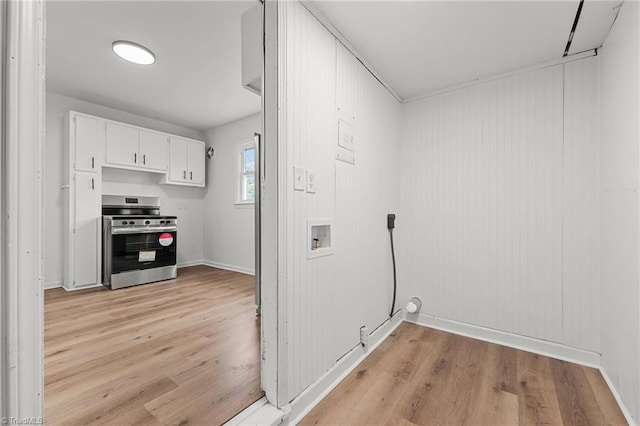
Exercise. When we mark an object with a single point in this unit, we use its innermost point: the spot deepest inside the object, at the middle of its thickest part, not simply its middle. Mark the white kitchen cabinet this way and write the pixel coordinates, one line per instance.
(83, 264)
(195, 161)
(81, 192)
(135, 147)
(121, 144)
(178, 151)
(153, 150)
(186, 162)
(84, 134)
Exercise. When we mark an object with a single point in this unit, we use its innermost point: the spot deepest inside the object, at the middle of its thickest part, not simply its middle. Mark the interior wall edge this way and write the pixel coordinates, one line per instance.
(618, 398)
(512, 340)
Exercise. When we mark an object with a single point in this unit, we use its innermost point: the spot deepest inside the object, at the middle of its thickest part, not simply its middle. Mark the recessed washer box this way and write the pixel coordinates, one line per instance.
(319, 238)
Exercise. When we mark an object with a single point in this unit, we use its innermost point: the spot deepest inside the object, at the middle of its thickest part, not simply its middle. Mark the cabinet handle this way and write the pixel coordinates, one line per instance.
(93, 162)
(93, 183)
(184, 175)
(144, 159)
(135, 157)
(191, 175)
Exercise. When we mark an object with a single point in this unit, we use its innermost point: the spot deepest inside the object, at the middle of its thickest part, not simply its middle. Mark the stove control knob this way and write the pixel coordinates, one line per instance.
(146, 222)
(162, 222)
(131, 222)
(168, 221)
(124, 222)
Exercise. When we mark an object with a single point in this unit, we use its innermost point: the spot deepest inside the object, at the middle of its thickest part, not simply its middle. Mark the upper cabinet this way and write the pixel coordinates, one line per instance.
(84, 142)
(186, 162)
(95, 142)
(153, 150)
(135, 147)
(121, 145)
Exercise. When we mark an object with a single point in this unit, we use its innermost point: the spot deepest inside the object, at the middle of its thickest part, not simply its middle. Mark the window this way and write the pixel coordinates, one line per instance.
(246, 176)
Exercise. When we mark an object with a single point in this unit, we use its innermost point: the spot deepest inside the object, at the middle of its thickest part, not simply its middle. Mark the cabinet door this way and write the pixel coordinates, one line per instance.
(196, 163)
(122, 144)
(153, 150)
(85, 271)
(85, 137)
(178, 151)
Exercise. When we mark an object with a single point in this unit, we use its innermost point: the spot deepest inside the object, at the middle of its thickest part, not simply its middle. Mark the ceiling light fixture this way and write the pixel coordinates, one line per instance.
(133, 52)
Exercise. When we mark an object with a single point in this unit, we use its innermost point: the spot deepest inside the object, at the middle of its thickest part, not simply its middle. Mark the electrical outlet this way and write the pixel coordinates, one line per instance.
(311, 181)
(299, 183)
(183, 206)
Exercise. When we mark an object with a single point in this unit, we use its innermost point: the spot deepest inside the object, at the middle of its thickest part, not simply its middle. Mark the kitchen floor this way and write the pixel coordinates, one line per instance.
(422, 376)
(184, 351)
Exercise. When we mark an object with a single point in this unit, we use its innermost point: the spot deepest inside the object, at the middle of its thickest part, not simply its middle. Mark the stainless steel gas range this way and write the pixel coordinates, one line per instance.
(138, 244)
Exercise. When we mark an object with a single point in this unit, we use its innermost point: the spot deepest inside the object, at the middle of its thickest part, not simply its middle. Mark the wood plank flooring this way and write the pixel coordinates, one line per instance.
(422, 376)
(183, 351)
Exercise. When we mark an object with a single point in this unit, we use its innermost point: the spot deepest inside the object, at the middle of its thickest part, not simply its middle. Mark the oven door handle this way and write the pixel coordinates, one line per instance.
(149, 230)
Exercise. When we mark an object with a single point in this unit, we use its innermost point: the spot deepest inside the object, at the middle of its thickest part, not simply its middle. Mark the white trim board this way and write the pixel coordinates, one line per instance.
(212, 264)
(190, 263)
(264, 413)
(618, 398)
(54, 284)
(541, 65)
(311, 396)
(233, 268)
(529, 344)
(343, 40)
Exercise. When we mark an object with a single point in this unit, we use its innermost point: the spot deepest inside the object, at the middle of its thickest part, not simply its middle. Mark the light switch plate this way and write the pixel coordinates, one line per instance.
(299, 183)
(311, 181)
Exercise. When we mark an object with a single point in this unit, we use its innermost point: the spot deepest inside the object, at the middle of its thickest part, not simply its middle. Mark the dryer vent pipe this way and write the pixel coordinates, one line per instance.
(413, 306)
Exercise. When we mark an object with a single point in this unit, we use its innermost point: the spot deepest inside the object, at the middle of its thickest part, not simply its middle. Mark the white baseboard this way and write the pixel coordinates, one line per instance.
(311, 396)
(83, 288)
(190, 263)
(263, 413)
(54, 284)
(616, 395)
(529, 344)
(233, 268)
(258, 413)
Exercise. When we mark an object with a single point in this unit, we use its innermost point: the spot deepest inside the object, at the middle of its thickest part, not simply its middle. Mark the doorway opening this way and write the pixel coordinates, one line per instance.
(178, 350)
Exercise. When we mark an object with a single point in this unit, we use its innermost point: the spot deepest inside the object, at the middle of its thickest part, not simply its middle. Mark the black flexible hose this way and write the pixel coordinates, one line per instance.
(395, 282)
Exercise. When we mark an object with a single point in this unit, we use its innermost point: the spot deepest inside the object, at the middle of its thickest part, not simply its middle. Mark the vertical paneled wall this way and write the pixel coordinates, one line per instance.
(580, 206)
(499, 195)
(620, 206)
(329, 298)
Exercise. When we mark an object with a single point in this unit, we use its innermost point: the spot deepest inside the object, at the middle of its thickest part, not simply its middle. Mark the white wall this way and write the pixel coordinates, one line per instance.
(619, 165)
(229, 227)
(329, 298)
(114, 182)
(499, 205)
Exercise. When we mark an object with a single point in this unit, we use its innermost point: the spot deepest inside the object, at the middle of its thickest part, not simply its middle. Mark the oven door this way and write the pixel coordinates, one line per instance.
(140, 249)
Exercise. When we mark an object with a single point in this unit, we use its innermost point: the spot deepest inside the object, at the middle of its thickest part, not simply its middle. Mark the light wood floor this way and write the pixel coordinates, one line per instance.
(184, 351)
(424, 376)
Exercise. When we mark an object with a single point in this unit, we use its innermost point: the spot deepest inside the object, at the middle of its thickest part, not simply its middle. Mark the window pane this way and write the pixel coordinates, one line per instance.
(248, 188)
(249, 159)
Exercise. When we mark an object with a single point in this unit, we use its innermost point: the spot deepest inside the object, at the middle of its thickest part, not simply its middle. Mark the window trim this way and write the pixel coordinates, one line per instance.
(241, 173)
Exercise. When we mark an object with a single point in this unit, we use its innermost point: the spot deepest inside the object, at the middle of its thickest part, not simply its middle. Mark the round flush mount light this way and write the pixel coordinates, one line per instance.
(133, 52)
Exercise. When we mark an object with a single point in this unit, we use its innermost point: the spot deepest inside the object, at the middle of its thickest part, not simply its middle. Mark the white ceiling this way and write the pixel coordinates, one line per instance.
(196, 80)
(418, 47)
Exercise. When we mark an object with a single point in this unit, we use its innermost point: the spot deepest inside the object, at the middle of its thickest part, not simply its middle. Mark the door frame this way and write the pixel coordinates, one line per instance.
(22, 135)
(22, 115)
